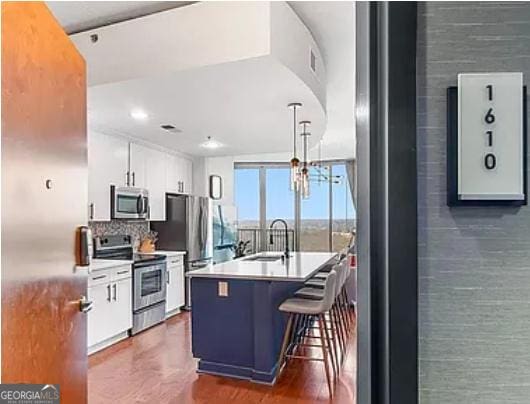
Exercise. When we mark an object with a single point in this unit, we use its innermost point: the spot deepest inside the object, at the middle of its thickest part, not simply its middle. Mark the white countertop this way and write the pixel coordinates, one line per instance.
(168, 253)
(99, 264)
(298, 268)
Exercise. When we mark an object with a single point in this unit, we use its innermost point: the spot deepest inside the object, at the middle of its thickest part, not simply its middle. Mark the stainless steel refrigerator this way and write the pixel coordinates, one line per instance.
(187, 228)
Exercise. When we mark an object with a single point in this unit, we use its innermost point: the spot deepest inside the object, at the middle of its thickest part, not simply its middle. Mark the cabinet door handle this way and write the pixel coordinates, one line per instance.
(108, 292)
(115, 292)
(92, 211)
(127, 178)
(133, 178)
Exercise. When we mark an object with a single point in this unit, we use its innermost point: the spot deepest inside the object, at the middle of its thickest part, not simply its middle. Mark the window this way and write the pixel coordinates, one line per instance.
(247, 197)
(314, 217)
(326, 219)
(280, 199)
(343, 213)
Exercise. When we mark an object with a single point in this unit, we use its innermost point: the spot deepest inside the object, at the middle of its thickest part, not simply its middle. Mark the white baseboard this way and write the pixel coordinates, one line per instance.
(108, 342)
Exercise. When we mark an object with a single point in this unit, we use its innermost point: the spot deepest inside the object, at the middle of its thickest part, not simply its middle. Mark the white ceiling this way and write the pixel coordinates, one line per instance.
(77, 16)
(201, 102)
(331, 24)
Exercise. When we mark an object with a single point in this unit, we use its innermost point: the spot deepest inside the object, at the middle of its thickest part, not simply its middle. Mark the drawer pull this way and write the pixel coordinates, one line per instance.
(123, 272)
(175, 262)
(99, 277)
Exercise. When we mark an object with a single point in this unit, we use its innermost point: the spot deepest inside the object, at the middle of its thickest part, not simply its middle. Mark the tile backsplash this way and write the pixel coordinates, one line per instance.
(136, 229)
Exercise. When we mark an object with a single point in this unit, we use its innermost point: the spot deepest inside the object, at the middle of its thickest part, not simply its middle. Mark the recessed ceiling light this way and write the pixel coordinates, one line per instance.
(211, 144)
(139, 115)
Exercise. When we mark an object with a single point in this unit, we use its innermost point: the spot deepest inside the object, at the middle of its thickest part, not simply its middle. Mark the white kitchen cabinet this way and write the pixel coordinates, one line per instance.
(187, 177)
(108, 159)
(155, 182)
(178, 174)
(99, 318)
(138, 165)
(110, 290)
(171, 173)
(121, 307)
(175, 284)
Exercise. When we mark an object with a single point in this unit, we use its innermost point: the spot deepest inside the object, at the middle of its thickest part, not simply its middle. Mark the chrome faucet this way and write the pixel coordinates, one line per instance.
(271, 239)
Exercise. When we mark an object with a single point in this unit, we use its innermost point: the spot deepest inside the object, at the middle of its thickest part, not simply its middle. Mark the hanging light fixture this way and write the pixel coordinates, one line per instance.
(304, 172)
(295, 162)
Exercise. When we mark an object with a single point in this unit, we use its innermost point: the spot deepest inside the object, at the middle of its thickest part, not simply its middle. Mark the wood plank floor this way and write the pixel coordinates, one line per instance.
(156, 367)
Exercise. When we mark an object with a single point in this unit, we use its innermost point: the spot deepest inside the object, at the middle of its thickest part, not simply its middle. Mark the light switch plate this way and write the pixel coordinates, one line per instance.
(222, 289)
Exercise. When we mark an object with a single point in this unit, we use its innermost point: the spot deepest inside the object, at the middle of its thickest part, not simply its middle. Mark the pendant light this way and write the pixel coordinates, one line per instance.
(295, 162)
(304, 172)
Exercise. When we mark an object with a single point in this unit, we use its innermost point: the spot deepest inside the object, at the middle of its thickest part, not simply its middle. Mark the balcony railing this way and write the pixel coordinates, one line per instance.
(257, 244)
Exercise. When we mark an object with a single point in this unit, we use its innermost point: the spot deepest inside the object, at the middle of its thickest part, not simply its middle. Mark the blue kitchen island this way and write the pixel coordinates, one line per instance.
(237, 329)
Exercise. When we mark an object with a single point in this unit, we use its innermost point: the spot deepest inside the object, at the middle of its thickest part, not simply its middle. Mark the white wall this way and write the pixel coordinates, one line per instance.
(222, 166)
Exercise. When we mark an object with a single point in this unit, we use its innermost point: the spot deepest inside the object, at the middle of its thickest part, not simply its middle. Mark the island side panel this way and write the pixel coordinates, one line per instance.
(269, 326)
(239, 335)
(222, 327)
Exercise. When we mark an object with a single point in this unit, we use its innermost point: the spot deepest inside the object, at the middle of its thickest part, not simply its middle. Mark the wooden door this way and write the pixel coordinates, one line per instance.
(44, 199)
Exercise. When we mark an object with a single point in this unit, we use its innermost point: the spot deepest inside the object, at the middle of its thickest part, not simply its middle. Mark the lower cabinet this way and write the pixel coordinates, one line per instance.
(175, 284)
(111, 316)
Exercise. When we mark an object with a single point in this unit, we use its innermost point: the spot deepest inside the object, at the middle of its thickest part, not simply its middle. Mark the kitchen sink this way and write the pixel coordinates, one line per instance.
(264, 258)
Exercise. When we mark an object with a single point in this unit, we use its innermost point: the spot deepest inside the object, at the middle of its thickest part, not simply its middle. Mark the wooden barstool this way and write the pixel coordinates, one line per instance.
(303, 312)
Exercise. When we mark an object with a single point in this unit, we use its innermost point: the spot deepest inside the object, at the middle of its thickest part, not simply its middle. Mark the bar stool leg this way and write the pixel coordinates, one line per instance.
(332, 352)
(322, 325)
(339, 328)
(334, 336)
(286, 338)
(344, 322)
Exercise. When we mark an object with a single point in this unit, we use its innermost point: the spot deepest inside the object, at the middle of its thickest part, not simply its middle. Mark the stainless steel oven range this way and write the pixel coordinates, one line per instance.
(149, 279)
(149, 294)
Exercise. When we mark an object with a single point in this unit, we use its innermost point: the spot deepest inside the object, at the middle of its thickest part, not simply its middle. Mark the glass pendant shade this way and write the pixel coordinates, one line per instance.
(304, 182)
(295, 174)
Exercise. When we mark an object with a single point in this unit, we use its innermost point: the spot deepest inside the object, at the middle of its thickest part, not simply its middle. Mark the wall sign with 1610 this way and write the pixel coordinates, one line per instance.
(490, 160)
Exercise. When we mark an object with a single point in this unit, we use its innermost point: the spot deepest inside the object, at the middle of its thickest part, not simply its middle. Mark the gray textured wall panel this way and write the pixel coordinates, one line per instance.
(474, 263)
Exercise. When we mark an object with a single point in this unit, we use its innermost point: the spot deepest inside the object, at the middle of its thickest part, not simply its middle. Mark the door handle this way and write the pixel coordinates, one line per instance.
(167, 279)
(85, 305)
(127, 178)
(92, 211)
(115, 292)
(108, 292)
(133, 178)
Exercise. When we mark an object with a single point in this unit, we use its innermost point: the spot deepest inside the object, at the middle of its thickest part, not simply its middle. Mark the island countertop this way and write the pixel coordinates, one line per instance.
(298, 268)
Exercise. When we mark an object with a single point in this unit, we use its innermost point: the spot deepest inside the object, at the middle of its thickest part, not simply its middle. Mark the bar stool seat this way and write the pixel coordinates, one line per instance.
(316, 283)
(310, 293)
(301, 306)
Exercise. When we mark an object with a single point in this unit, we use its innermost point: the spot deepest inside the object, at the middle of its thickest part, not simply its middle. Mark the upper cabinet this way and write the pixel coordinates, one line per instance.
(155, 181)
(108, 159)
(179, 175)
(138, 165)
(115, 161)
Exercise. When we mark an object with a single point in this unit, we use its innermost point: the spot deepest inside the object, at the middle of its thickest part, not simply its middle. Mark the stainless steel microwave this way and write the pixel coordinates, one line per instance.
(129, 203)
